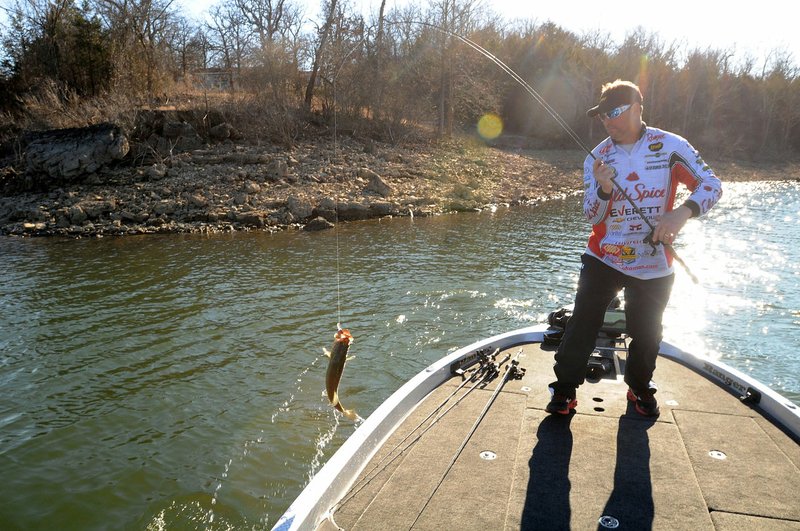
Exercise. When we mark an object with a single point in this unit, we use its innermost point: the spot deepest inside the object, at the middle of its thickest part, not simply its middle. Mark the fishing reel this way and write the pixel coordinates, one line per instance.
(649, 241)
(599, 367)
(485, 357)
(515, 371)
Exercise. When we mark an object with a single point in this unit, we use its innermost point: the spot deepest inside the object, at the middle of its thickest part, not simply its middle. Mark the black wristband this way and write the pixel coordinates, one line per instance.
(694, 207)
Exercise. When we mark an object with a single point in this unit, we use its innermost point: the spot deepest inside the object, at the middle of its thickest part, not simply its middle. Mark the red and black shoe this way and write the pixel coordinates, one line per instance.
(645, 403)
(561, 404)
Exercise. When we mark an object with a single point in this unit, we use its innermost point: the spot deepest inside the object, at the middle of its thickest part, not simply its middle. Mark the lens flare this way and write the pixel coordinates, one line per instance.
(643, 78)
(490, 126)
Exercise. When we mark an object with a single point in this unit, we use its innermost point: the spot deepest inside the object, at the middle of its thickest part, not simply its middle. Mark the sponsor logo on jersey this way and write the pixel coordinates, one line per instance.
(623, 253)
(629, 211)
(641, 192)
(658, 146)
(593, 208)
(628, 254)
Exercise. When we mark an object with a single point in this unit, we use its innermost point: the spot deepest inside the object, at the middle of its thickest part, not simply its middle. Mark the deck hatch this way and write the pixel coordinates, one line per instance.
(756, 478)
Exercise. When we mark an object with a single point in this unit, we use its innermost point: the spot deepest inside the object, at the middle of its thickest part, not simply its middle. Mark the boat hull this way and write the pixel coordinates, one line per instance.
(333, 481)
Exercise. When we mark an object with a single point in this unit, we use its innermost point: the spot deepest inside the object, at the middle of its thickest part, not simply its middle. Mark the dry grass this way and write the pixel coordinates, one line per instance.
(464, 166)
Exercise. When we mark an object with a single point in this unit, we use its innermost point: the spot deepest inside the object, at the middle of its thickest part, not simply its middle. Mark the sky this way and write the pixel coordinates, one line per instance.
(744, 30)
(691, 23)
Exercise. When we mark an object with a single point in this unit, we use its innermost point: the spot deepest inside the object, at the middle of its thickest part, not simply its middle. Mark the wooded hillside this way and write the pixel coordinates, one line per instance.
(391, 75)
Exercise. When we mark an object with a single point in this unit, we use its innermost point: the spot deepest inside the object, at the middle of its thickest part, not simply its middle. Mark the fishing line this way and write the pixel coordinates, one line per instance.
(336, 195)
(336, 218)
(508, 70)
(566, 127)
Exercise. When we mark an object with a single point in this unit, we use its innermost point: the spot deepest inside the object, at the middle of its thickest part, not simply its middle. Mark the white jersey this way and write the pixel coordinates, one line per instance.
(650, 174)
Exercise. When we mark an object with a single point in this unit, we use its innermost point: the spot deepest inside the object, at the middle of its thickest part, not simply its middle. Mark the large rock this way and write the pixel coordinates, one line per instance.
(175, 130)
(384, 208)
(177, 137)
(91, 209)
(165, 207)
(300, 208)
(222, 131)
(326, 210)
(334, 211)
(353, 211)
(277, 169)
(63, 156)
(317, 224)
(375, 183)
(252, 218)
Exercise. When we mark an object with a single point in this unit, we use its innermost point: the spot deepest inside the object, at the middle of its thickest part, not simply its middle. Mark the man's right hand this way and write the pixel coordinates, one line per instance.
(603, 173)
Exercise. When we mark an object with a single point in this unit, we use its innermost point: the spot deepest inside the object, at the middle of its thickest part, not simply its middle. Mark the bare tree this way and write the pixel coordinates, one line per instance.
(181, 39)
(230, 39)
(777, 98)
(266, 17)
(324, 33)
(458, 17)
(379, 55)
(142, 27)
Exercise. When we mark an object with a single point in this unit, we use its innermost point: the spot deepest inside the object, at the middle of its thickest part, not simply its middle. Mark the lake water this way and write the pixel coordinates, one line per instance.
(174, 382)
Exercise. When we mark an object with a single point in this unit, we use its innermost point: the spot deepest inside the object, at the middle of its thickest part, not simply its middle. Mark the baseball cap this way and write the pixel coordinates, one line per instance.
(615, 96)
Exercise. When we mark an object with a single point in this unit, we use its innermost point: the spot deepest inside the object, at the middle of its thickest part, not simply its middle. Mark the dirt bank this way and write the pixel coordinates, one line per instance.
(231, 187)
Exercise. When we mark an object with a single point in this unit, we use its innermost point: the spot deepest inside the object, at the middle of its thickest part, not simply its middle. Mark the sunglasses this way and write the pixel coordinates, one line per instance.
(614, 113)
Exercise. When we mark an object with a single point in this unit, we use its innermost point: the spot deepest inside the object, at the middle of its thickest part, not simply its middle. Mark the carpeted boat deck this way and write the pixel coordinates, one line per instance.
(708, 462)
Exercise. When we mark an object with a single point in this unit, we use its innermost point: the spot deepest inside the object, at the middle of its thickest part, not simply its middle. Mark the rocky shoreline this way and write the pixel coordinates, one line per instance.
(228, 187)
(232, 187)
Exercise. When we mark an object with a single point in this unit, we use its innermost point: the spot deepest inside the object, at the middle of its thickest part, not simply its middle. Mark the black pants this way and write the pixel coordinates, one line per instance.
(645, 301)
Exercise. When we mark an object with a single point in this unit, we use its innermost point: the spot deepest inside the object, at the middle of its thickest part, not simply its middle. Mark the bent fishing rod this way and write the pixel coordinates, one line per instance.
(571, 133)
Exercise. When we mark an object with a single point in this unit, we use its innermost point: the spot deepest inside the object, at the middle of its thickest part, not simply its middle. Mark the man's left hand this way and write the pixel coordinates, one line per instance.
(671, 224)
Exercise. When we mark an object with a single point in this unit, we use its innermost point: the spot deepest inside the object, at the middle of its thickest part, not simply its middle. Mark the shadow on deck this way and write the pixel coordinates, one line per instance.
(708, 462)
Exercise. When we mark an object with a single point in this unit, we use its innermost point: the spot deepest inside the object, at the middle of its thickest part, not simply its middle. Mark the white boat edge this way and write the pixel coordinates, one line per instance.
(334, 479)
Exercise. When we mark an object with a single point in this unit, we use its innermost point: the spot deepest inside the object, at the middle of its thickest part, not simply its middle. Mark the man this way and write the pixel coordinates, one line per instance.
(649, 164)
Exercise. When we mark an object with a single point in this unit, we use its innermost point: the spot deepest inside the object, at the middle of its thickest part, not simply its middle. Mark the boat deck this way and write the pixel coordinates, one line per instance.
(569, 472)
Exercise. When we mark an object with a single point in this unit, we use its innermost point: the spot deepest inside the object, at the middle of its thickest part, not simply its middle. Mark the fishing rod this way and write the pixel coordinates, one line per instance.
(570, 132)
(512, 371)
(487, 371)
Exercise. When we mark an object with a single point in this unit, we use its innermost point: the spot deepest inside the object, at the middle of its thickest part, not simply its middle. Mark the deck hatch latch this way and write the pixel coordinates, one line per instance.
(608, 522)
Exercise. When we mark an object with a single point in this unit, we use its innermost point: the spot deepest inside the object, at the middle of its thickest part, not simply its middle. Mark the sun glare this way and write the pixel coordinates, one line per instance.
(490, 126)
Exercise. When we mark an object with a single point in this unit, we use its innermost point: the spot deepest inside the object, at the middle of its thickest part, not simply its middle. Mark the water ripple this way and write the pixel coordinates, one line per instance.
(176, 381)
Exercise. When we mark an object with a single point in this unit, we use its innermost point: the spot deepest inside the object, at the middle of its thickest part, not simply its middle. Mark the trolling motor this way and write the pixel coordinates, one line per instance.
(558, 322)
(603, 362)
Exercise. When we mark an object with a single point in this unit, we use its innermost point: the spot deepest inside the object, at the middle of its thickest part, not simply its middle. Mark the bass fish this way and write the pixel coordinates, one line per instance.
(338, 356)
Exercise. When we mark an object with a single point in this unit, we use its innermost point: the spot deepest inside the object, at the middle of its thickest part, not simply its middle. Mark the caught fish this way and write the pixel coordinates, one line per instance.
(338, 356)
